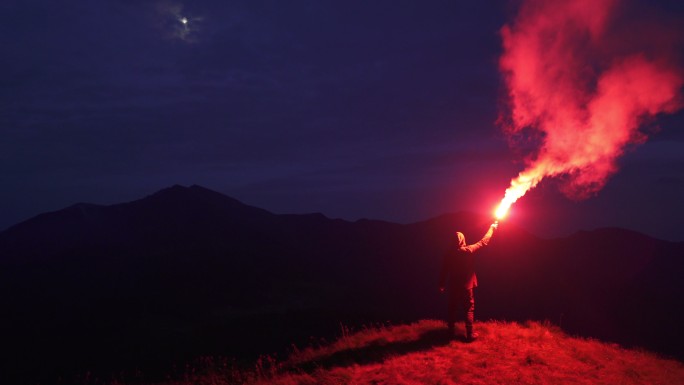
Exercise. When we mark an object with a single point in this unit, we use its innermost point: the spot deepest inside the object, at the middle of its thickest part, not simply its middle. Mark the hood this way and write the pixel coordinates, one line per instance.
(461, 239)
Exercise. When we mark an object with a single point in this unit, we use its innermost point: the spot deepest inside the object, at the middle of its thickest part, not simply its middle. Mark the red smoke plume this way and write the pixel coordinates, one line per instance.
(570, 81)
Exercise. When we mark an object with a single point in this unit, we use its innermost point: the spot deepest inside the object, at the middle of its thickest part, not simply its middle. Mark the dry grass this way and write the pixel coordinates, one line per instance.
(422, 353)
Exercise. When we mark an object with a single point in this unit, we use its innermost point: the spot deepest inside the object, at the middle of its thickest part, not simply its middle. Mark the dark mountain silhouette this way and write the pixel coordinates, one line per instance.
(188, 271)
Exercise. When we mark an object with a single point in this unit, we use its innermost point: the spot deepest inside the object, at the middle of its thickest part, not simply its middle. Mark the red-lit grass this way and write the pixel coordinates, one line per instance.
(421, 353)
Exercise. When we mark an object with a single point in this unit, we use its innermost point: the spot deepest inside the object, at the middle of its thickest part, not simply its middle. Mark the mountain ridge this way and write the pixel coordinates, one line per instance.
(202, 194)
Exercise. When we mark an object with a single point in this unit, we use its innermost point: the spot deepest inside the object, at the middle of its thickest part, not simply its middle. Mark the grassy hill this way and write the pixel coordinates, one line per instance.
(422, 353)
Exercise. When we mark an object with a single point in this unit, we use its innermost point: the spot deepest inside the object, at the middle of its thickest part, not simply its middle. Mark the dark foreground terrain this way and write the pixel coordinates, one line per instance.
(188, 272)
(422, 353)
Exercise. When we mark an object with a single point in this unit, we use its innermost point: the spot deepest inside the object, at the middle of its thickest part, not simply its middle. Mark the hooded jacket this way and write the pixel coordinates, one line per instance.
(458, 263)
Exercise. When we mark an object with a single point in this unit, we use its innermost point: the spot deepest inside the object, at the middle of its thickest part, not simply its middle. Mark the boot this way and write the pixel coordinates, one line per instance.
(470, 334)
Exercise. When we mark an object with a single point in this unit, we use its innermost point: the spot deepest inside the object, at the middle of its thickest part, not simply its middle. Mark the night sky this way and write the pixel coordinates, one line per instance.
(356, 109)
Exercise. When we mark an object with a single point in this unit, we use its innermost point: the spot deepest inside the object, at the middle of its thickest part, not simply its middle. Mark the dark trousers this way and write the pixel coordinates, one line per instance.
(461, 306)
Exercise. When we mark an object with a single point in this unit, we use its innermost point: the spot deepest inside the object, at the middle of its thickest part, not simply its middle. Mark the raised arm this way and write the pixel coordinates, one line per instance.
(484, 241)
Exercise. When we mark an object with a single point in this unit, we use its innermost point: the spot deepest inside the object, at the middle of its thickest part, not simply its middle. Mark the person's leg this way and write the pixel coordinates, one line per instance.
(469, 305)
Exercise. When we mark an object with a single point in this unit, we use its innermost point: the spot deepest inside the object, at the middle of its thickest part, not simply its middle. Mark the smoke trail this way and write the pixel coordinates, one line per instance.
(585, 95)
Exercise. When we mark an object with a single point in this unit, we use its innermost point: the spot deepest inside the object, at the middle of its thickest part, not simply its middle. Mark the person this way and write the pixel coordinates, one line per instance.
(458, 270)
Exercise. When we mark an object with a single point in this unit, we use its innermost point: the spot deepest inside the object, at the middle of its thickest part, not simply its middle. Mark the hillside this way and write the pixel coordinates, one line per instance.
(421, 353)
(189, 272)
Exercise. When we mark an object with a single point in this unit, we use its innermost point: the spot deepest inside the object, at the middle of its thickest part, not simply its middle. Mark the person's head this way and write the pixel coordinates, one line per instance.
(460, 238)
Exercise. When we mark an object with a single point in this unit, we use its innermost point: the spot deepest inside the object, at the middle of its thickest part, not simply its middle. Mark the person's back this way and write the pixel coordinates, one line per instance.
(460, 261)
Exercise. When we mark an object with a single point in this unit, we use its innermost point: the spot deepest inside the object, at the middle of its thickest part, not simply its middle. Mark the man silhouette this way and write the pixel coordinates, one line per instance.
(458, 268)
